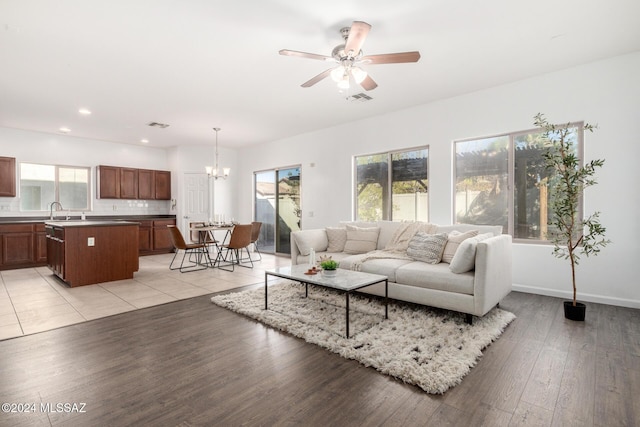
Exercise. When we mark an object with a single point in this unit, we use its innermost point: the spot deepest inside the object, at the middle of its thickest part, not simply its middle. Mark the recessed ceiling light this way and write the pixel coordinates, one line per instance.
(84, 111)
(64, 130)
(144, 141)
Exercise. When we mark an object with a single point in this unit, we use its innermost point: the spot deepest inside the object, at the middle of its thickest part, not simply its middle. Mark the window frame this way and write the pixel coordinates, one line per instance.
(56, 184)
(511, 184)
(389, 154)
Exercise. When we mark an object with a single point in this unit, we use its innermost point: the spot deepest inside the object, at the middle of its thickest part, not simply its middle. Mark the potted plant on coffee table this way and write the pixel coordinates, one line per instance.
(570, 234)
(329, 267)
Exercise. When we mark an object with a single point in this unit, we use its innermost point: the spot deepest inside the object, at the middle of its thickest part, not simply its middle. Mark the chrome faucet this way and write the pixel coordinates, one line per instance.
(51, 209)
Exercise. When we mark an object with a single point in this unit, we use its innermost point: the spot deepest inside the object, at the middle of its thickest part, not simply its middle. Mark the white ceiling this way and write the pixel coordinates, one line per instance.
(199, 64)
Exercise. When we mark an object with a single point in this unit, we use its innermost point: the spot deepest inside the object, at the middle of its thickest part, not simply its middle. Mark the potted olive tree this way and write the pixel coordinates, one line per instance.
(570, 234)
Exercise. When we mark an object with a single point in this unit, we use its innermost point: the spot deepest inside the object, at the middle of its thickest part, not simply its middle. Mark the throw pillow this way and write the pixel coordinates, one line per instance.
(453, 242)
(427, 247)
(465, 257)
(316, 239)
(361, 240)
(337, 238)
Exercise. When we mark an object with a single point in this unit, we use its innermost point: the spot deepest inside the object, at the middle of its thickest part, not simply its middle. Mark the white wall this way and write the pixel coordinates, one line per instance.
(194, 159)
(605, 92)
(36, 147)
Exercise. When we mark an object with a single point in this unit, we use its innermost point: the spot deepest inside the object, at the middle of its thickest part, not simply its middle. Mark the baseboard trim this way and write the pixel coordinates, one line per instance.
(600, 299)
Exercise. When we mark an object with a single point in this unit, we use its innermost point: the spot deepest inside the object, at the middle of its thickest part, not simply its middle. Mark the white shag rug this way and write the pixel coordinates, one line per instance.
(428, 347)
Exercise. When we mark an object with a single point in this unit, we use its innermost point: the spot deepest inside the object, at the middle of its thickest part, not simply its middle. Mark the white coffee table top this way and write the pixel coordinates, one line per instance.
(345, 280)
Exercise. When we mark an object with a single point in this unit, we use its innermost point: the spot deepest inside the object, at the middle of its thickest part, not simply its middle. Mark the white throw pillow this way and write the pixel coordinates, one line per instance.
(465, 258)
(337, 238)
(427, 247)
(307, 239)
(453, 242)
(361, 240)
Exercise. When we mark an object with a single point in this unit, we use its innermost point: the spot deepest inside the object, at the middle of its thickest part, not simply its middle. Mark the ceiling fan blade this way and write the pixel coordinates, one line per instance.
(391, 58)
(368, 83)
(357, 34)
(287, 52)
(317, 78)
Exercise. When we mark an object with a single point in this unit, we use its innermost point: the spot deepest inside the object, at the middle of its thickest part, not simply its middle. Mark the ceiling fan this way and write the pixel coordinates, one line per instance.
(349, 56)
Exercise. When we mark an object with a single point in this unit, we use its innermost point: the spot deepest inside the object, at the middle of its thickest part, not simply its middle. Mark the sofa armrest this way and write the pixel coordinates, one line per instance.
(493, 275)
(303, 241)
(294, 249)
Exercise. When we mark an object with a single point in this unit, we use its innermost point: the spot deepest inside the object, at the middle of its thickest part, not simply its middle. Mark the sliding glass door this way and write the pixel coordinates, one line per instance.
(277, 206)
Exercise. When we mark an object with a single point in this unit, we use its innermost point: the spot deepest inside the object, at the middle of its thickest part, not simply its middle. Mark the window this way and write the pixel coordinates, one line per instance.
(501, 180)
(42, 184)
(397, 193)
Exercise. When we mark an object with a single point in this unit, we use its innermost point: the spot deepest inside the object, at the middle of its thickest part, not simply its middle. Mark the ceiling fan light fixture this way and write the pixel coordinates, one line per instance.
(358, 74)
(337, 74)
(344, 83)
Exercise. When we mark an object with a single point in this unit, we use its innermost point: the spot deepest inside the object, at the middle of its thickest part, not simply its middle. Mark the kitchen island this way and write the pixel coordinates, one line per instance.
(87, 252)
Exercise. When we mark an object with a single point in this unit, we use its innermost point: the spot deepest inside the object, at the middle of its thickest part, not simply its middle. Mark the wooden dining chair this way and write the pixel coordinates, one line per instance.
(199, 250)
(240, 240)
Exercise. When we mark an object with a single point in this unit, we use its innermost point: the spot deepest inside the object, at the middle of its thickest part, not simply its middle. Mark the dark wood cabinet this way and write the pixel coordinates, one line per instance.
(17, 241)
(115, 182)
(161, 237)
(163, 185)
(7, 177)
(40, 244)
(145, 237)
(108, 182)
(128, 183)
(89, 253)
(146, 184)
(154, 236)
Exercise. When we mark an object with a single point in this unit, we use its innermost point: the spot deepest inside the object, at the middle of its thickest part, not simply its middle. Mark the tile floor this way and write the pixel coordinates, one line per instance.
(33, 300)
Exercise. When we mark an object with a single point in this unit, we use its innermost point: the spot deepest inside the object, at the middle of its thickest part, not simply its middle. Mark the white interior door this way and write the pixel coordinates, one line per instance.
(196, 200)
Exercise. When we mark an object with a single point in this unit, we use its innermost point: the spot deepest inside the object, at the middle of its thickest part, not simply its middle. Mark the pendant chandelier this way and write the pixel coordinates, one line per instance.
(214, 171)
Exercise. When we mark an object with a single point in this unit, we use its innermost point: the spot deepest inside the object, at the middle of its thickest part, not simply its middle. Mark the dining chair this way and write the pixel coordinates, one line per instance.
(255, 235)
(240, 239)
(198, 249)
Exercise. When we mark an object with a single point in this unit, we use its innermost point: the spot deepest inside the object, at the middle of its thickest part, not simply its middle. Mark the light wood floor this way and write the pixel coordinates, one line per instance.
(190, 363)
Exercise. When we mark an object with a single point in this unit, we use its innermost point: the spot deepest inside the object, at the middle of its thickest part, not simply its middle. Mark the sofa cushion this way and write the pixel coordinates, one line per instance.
(453, 242)
(361, 240)
(384, 266)
(427, 247)
(435, 276)
(495, 230)
(387, 230)
(307, 239)
(337, 256)
(337, 237)
(465, 258)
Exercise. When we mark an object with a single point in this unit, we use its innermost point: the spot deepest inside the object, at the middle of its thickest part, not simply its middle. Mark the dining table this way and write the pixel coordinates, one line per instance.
(206, 234)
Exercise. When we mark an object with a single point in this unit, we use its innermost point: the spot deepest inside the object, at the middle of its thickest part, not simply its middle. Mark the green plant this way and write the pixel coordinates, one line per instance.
(329, 264)
(570, 234)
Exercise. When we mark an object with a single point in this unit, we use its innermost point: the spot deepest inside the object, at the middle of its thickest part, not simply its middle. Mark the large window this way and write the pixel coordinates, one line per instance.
(40, 185)
(502, 180)
(399, 192)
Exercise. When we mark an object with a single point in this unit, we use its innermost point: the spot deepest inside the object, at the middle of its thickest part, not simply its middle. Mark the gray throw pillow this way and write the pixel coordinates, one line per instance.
(427, 247)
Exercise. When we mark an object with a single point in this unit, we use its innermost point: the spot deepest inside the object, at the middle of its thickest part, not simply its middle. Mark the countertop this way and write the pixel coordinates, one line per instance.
(89, 223)
(76, 218)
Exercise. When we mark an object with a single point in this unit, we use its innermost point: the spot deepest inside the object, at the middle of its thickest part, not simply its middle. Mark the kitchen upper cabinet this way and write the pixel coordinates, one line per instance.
(128, 183)
(7, 177)
(146, 184)
(108, 182)
(163, 185)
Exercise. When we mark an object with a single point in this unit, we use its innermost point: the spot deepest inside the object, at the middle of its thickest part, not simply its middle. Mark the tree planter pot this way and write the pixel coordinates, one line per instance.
(574, 313)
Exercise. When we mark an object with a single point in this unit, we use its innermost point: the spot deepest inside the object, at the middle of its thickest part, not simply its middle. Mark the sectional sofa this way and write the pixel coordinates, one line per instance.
(465, 268)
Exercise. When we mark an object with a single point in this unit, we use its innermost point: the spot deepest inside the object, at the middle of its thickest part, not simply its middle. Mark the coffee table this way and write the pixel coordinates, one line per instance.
(345, 281)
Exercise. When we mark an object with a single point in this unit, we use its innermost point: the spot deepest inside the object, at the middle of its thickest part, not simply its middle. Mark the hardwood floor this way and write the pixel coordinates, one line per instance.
(190, 363)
